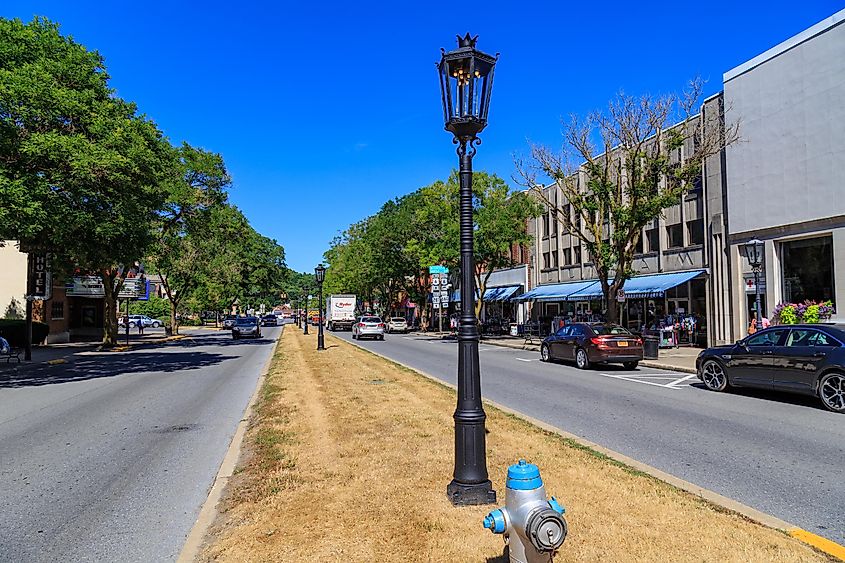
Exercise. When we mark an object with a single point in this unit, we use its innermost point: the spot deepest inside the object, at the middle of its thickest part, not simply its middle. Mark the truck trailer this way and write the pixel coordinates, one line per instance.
(340, 311)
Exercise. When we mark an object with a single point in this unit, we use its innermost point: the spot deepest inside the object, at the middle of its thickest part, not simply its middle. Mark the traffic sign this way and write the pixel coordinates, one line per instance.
(620, 296)
(438, 270)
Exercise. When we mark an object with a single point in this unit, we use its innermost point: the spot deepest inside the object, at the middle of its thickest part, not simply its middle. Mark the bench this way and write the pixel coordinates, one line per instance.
(531, 332)
(10, 353)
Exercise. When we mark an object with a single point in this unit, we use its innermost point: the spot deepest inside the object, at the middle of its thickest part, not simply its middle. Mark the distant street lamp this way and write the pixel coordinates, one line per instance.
(320, 274)
(753, 250)
(305, 316)
(466, 82)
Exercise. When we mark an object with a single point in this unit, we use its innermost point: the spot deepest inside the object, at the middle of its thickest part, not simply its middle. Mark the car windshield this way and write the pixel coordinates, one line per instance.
(370, 320)
(610, 329)
(246, 321)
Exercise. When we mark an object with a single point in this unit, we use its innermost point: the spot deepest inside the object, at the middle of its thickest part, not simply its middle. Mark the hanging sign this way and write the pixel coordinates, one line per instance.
(620, 295)
(39, 282)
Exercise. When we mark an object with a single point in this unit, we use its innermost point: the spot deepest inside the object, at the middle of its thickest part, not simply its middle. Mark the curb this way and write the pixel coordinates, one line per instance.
(208, 511)
(818, 542)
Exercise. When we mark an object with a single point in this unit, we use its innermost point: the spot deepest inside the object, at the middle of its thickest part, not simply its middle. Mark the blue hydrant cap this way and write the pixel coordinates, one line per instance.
(556, 506)
(495, 521)
(524, 476)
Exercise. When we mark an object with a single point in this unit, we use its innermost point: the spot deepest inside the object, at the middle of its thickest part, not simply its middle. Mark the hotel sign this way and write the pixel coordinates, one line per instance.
(39, 281)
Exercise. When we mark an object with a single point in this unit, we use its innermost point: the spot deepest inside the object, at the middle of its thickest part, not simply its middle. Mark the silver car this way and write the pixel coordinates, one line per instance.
(397, 324)
(372, 327)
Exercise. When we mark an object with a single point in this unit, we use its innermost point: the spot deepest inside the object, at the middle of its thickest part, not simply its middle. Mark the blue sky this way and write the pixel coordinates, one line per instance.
(324, 110)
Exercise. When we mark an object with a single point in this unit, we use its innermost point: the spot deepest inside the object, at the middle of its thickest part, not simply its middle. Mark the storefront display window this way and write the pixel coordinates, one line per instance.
(807, 267)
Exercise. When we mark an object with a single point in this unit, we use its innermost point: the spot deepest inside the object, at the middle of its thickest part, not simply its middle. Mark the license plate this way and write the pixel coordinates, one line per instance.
(622, 344)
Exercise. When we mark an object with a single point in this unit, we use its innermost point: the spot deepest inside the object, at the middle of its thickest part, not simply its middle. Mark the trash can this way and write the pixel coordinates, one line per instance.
(168, 330)
(651, 346)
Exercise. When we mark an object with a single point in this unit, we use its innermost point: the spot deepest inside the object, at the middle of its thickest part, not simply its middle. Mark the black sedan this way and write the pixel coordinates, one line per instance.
(803, 359)
(269, 320)
(246, 326)
(589, 343)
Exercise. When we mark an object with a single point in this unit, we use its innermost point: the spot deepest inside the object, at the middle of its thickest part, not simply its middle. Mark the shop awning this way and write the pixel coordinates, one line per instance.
(557, 291)
(491, 294)
(654, 285)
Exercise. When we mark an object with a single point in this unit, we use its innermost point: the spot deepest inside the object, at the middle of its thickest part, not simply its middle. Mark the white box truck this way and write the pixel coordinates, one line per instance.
(340, 311)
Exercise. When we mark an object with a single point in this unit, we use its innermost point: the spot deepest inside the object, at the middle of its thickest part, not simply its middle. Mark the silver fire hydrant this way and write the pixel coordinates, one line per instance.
(533, 527)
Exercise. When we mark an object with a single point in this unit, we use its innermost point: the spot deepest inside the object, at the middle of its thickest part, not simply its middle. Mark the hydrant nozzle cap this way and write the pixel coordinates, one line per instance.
(495, 521)
(524, 476)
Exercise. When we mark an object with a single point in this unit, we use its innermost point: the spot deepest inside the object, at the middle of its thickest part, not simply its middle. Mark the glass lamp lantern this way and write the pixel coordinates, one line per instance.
(753, 251)
(320, 273)
(466, 82)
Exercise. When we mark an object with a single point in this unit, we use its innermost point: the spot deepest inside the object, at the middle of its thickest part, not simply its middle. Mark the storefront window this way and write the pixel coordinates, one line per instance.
(807, 269)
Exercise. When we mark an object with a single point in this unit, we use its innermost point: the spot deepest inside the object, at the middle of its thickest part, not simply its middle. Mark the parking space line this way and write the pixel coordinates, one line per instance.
(681, 380)
(638, 381)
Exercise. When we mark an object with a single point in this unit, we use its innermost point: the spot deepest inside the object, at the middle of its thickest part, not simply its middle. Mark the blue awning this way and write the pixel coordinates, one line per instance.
(502, 293)
(654, 285)
(557, 291)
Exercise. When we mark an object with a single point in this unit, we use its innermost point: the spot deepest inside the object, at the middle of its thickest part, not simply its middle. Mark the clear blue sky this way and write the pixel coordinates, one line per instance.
(324, 110)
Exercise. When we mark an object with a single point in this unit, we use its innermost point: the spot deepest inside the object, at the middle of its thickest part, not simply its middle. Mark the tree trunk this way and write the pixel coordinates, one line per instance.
(109, 309)
(174, 326)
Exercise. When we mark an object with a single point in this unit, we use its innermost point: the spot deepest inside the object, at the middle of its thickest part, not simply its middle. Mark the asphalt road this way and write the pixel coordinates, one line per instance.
(110, 457)
(780, 454)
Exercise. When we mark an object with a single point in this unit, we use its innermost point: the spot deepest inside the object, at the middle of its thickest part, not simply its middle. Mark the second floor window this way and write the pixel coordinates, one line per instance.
(675, 235)
(546, 261)
(567, 257)
(577, 250)
(652, 240)
(554, 258)
(695, 231)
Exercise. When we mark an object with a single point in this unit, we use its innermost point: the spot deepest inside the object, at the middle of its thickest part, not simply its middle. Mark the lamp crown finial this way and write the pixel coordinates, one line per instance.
(467, 41)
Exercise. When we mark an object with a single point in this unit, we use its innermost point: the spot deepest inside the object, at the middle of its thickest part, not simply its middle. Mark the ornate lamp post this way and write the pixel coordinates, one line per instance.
(320, 274)
(466, 82)
(753, 250)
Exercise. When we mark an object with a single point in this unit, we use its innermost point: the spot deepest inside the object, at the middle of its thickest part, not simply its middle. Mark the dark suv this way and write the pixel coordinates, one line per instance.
(805, 359)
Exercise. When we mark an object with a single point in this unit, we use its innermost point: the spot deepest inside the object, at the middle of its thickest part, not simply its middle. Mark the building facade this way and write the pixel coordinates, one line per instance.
(786, 179)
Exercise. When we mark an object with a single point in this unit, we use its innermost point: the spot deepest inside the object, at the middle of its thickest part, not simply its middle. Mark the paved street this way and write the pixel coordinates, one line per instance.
(779, 454)
(109, 457)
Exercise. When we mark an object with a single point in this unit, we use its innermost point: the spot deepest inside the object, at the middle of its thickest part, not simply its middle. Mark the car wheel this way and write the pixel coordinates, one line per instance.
(832, 391)
(630, 365)
(545, 355)
(713, 375)
(132, 325)
(581, 359)
(381, 337)
(353, 336)
(156, 324)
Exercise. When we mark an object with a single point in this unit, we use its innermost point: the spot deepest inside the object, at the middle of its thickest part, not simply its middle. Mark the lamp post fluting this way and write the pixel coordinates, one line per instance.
(320, 274)
(466, 82)
(754, 250)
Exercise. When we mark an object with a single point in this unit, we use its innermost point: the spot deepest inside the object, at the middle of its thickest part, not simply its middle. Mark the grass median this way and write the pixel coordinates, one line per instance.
(348, 456)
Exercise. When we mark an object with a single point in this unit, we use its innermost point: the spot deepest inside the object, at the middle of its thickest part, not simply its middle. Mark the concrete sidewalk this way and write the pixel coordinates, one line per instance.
(673, 359)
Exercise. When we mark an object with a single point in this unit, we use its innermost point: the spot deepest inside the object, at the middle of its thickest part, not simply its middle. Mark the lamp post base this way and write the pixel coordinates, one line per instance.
(462, 494)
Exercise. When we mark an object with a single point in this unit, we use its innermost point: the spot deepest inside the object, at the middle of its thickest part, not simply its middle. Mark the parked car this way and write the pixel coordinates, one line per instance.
(246, 326)
(229, 322)
(591, 343)
(397, 324)
(269, 320)
(370, 326)
(135, 320)
(807, 359)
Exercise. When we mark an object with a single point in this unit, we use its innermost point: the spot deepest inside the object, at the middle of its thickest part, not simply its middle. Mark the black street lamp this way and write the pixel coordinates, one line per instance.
(305, 316)
(753, 251)
(320, 274)
(466, 82)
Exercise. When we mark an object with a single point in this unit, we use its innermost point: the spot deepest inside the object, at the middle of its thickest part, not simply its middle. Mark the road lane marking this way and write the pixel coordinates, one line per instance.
(681, 380)
(527, 359)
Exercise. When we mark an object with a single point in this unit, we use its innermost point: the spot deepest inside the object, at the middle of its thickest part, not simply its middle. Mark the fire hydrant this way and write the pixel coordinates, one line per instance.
(533, 527)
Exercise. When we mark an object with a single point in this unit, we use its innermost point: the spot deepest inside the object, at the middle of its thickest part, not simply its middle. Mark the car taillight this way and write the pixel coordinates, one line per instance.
(360, 325)
(599, 341)
(639, 341)
(381, 325)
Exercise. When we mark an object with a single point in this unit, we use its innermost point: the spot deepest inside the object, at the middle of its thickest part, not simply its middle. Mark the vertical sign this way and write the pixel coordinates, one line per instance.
(39, 286)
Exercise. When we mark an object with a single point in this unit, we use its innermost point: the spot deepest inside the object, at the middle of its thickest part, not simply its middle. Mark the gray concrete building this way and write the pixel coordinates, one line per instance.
(786, 179)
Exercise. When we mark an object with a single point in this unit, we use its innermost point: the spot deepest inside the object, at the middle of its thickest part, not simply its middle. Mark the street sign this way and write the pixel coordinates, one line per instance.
(438, 270)
(620, 296)
(435, 280)
(39, 282)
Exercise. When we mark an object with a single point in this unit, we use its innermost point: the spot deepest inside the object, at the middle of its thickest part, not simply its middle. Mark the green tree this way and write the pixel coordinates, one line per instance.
(620, 169)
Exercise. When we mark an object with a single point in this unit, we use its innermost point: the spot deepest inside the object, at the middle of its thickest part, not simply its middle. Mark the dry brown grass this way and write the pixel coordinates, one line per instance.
(350, 456)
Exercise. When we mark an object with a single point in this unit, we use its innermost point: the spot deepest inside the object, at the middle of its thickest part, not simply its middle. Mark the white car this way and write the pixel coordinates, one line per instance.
(135, 320)
(372, 327)
(397, 324)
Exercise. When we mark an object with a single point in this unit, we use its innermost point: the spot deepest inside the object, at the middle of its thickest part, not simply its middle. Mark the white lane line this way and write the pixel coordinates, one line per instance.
(681, 380)
(527, 359)
(638, 381)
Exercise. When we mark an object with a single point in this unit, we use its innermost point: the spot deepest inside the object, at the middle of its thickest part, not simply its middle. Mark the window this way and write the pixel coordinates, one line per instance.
(638, 248)
(695, 231)
(577, 221)
(567, 214)
(563, 331)
(546, 261)
(577, 254)
(766, 338)
(675, 235)
(652, 240)
(808, 337)
(554, 220)
(554, 258)
(57, 310)
(567, 257)
(545, 225)
(807, 269)
(609, 329)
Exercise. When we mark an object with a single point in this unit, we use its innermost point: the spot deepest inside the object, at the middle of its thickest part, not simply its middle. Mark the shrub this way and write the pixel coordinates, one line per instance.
(806, 312)
(14, 330)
